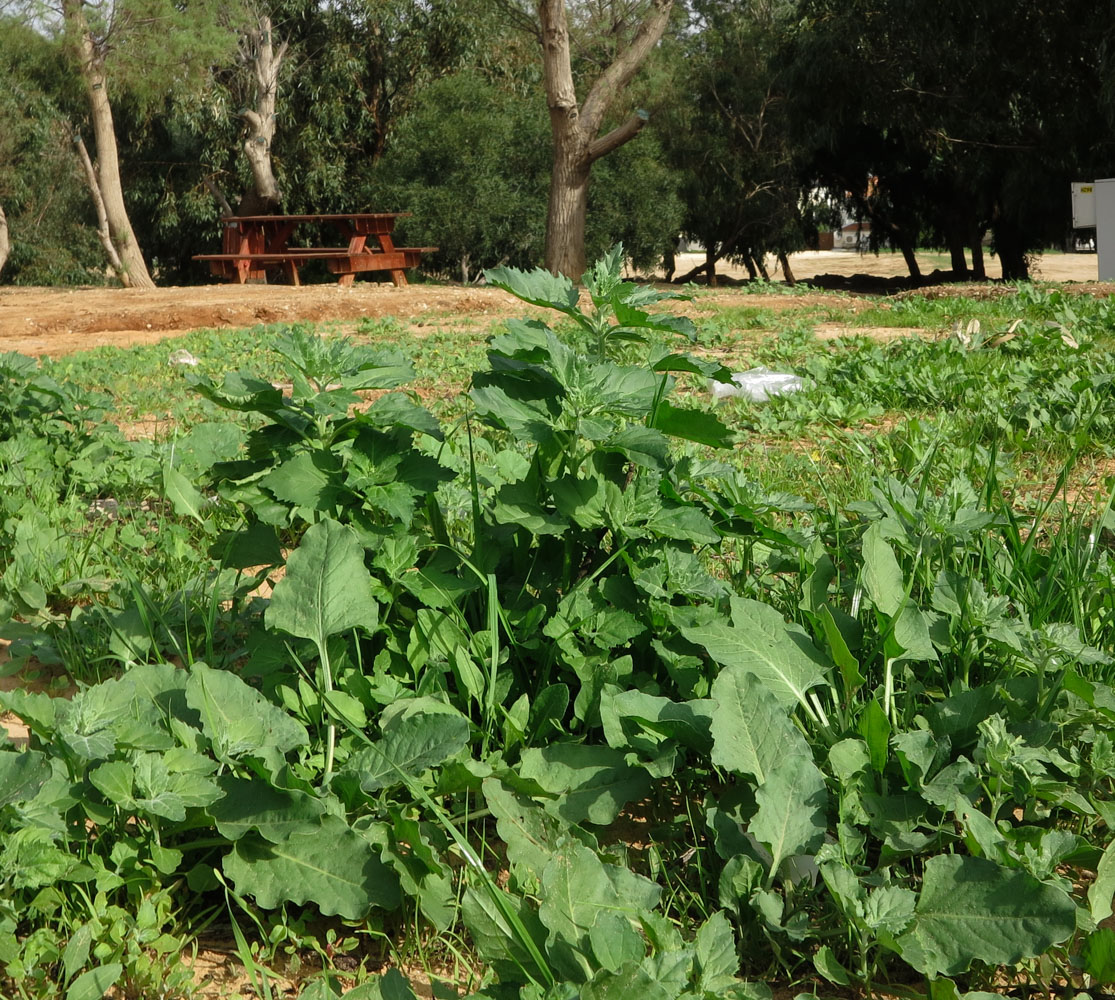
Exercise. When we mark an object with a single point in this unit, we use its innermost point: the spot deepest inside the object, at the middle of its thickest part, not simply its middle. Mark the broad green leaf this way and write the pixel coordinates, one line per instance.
(327, 588)
(693, 425)
(538, 287)
(410, 746)
(751, 730)
(309, 480)
(971, 908)
(529, 832)
(642, 721)
(183, 495)
(630, 981)
(391, 985)
(644, 446)
(686, 524)
(791, 815)
(614, 941)
(593, 782)
(881, 575)
(333, 867)
(841, 654)
(276, 814)
(874, 727)
(1099, 955)
(826, 963)
(759, 641)
(717, 958)
(691, 363)
(22, 774)
(576, 887)
(1102, 891)
(890, 908)
(95, 983)
(238, 719)
(397, 409)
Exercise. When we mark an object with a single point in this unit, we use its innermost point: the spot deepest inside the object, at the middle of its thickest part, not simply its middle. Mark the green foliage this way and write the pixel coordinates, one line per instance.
(548, 683)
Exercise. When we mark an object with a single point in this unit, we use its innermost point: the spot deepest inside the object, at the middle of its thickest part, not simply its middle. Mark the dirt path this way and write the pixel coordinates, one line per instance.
(56, 321)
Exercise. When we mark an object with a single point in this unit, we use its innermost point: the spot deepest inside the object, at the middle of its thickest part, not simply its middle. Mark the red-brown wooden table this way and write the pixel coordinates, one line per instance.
(255, 244)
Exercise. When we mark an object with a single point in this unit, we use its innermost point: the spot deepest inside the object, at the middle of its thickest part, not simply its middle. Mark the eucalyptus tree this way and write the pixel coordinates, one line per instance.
(604, 42)
(941, 121)
(145, 48)
(727, 135)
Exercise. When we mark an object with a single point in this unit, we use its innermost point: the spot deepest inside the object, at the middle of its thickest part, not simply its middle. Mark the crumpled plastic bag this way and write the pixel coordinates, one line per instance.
(756, 384)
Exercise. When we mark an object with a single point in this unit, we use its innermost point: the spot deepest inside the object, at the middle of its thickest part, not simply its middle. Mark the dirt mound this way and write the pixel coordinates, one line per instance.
(59, 321)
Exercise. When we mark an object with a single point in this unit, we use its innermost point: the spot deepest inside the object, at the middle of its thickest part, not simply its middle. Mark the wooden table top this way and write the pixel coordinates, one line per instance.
(317, 217)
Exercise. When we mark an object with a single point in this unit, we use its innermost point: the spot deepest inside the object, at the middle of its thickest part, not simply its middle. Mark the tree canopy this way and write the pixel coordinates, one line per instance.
(940, 124)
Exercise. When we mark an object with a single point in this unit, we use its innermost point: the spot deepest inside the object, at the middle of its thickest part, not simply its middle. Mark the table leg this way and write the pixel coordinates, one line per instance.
(387, 245)
(356, 244)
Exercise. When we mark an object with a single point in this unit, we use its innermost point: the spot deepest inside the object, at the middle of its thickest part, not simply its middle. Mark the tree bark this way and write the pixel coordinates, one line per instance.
(910, 257)
(784, 263)
(5, 246)
(133, 269)
(979, 269)
(103, 230)
(258, 48)
(574, 127)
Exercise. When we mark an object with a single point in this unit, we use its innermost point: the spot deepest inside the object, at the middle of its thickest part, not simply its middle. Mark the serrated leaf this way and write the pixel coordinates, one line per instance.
(412, 745)
(538, 287)
(751, 731)
(693, 425)
(276, 814)
(717, 959)
(791, 815)
(238, 719)
(758, 640)
(973, 909)
(333, 867)
(593, 782)
(327, 588)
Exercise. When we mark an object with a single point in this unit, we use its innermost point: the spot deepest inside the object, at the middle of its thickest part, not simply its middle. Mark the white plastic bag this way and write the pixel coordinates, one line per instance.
(756, 384)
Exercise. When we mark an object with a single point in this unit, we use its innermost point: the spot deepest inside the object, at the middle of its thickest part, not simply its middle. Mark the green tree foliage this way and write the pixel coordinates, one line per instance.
(728, 134)
(969, 115)
(44, 197)
(472, 163)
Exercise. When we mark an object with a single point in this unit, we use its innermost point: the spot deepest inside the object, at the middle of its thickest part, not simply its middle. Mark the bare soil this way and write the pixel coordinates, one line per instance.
(57, 321)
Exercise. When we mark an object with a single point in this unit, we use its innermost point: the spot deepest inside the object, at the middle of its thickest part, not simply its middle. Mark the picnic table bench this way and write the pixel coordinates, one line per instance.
(252, 245)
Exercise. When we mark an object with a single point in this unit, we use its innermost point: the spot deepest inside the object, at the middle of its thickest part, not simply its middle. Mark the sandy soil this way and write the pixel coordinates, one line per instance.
(56, 321)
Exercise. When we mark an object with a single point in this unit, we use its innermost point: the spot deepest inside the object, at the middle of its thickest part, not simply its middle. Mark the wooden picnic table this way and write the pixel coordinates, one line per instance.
(255, 244)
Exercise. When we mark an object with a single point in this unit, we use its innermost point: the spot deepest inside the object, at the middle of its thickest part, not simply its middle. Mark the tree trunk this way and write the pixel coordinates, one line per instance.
(910, 257)
(711, 257)
(258, 48)
(784, 263)
(108, 158)
(103, 231)
(568, 208)
(574, 127)
(760, 265)
(979, 269)
(956, 252)
(5, 246)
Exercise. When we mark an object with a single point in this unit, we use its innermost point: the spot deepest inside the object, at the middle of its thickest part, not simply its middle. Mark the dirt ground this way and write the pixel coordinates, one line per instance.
(56, 321)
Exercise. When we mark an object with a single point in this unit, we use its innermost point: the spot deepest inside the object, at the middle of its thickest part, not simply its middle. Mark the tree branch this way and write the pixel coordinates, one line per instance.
(618, 136)
(624, 66)
(102, 215)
